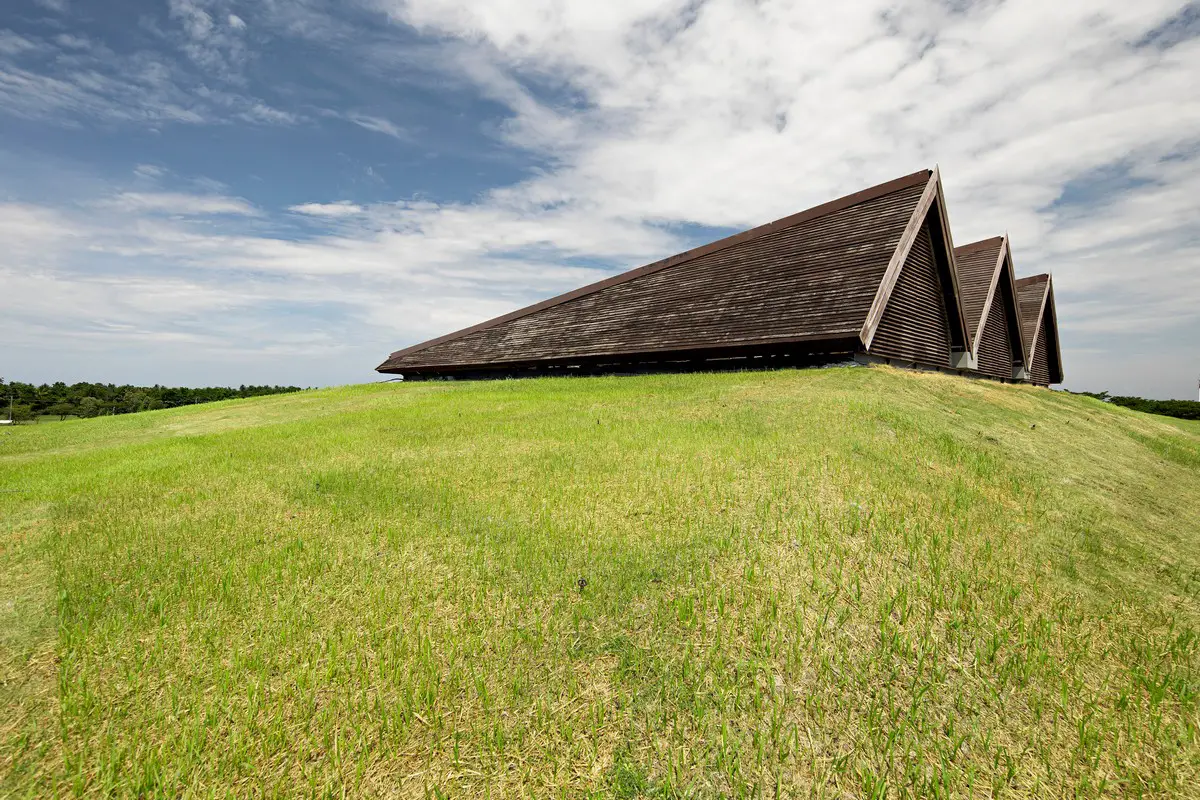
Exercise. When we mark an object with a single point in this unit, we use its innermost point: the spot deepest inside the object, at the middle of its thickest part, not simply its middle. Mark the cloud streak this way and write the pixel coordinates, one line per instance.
(342, 208)
(72, 80)
(179, 203)
(378, 125)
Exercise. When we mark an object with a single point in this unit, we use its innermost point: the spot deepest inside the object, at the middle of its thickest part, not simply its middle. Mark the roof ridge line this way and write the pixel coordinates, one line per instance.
(979, 245)
(807, 215)
(1029, 280)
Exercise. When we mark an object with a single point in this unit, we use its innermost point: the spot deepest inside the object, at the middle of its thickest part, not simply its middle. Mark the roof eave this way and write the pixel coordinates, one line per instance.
(848, 338)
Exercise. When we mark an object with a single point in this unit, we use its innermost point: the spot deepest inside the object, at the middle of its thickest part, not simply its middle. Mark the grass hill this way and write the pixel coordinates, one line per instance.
(843, 582)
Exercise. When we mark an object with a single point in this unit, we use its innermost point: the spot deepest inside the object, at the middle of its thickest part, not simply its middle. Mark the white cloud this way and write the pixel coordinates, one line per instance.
(12, 44)
(89, 82)
(342, 208)
(219, 49)
(178, 203)
(135, 275)
(149, 171)
(35, 236)
(197, 23)
(70, 42)
(378, 125)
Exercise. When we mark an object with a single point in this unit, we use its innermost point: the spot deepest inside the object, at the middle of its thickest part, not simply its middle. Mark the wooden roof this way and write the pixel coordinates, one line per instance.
(978, 263)
(812, 276)
(1031, 292)
(985, 274)
(1039, 322)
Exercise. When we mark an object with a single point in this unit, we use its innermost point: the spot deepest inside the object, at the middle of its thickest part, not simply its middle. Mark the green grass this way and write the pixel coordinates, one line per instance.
(829, 583)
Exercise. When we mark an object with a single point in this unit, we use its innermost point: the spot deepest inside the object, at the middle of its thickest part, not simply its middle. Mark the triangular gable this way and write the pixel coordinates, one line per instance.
(926, 325)
(915, 327)
(1039, 319)
(988, 284)
(977, 263)
(807, 278)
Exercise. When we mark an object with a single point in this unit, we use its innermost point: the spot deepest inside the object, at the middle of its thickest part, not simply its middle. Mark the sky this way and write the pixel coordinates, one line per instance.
(211, 192)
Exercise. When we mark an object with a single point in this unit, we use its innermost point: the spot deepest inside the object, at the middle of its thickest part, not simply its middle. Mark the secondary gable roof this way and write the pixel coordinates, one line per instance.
(982, 268)
(1039, 322)
(812, 276)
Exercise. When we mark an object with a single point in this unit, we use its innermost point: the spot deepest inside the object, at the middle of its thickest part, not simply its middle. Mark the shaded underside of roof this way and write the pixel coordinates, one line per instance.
(809, 277)
(976, 268)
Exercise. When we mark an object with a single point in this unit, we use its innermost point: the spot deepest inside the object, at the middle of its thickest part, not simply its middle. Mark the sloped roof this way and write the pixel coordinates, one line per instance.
(1031, 293)
(980, 270)
(1035, 297)
(978, 263)
(811, 276)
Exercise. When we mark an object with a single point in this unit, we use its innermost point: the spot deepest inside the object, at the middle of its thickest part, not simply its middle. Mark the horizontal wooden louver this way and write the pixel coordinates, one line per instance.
(995, 351)
(1039, 370)
(914, 326)
(1035, 298)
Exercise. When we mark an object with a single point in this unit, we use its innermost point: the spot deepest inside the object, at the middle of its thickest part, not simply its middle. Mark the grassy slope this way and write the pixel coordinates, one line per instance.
(830, 582)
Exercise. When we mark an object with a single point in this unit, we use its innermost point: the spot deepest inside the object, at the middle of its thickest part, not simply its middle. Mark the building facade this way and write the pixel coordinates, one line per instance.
(872, 276)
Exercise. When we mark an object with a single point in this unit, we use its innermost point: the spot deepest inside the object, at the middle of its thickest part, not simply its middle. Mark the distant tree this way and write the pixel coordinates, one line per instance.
(22, 412)
(61, 410)
(126, 399)
(1183, 409)
(89, 407)
(135, 400)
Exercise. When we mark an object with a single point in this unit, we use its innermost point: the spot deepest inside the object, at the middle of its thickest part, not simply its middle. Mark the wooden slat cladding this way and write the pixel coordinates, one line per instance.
(1050, 337)
(985, 279)
(976, 268)
(914, 326)
(1035, 298)
(813, 279)
(994, 351)
(1039, 369)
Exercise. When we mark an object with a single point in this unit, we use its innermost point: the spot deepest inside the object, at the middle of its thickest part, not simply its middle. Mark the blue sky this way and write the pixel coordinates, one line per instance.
(216, 192)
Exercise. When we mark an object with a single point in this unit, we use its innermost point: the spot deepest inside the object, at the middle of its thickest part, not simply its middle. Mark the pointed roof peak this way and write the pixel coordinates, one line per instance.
(1032, 280)
(995, 242)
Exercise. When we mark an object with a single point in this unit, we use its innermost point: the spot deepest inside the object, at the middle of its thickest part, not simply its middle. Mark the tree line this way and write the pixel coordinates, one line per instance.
(29, 402)
(1183, 409)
